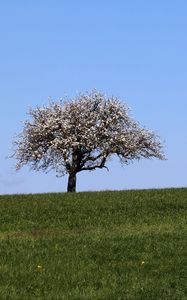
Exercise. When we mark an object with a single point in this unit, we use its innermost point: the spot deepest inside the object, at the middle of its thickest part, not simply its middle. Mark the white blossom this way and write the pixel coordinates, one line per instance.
(81, 134)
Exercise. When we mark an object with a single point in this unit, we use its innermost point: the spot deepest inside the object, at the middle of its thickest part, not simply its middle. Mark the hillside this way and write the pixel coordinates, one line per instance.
(94, 245)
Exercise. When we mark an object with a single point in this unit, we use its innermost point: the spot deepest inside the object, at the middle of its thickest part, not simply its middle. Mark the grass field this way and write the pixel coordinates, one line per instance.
(94, 246)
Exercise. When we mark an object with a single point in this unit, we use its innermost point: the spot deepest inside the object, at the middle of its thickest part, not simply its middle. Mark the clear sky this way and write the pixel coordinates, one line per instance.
(136, 50)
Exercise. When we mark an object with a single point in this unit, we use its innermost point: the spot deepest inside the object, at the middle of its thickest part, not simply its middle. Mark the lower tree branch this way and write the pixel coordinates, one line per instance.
(99, 166)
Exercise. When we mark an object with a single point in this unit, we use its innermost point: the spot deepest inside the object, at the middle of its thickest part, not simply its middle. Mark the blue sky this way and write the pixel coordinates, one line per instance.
(136, 50)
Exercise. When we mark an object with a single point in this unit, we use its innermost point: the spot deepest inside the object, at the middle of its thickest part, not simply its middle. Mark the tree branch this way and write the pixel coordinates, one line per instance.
(100, 166)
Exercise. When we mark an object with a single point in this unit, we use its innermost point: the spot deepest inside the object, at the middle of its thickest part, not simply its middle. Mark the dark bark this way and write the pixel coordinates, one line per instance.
(72, 182)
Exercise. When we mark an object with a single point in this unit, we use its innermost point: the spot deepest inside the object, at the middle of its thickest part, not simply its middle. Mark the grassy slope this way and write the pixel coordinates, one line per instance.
(101, 245)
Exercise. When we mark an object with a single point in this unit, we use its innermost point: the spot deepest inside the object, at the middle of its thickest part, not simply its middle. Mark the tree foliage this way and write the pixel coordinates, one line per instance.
(70, 136)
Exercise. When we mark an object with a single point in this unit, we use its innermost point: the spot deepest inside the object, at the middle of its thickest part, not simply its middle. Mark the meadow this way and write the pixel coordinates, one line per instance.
(110, 245)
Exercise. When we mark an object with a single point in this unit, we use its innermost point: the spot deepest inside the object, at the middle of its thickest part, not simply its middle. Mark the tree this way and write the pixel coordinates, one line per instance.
(70, 136)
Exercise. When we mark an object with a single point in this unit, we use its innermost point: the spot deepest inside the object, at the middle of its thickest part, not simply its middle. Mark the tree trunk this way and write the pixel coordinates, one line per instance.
(72, 183)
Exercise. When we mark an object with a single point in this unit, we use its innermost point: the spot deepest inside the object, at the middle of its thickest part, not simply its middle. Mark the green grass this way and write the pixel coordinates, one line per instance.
(94, 246)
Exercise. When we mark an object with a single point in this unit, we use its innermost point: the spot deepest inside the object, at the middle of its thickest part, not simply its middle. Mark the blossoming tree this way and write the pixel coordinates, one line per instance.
(70, 136)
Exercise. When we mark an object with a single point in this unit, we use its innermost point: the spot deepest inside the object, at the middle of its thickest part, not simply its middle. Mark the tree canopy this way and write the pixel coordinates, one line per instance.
(74, 135)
